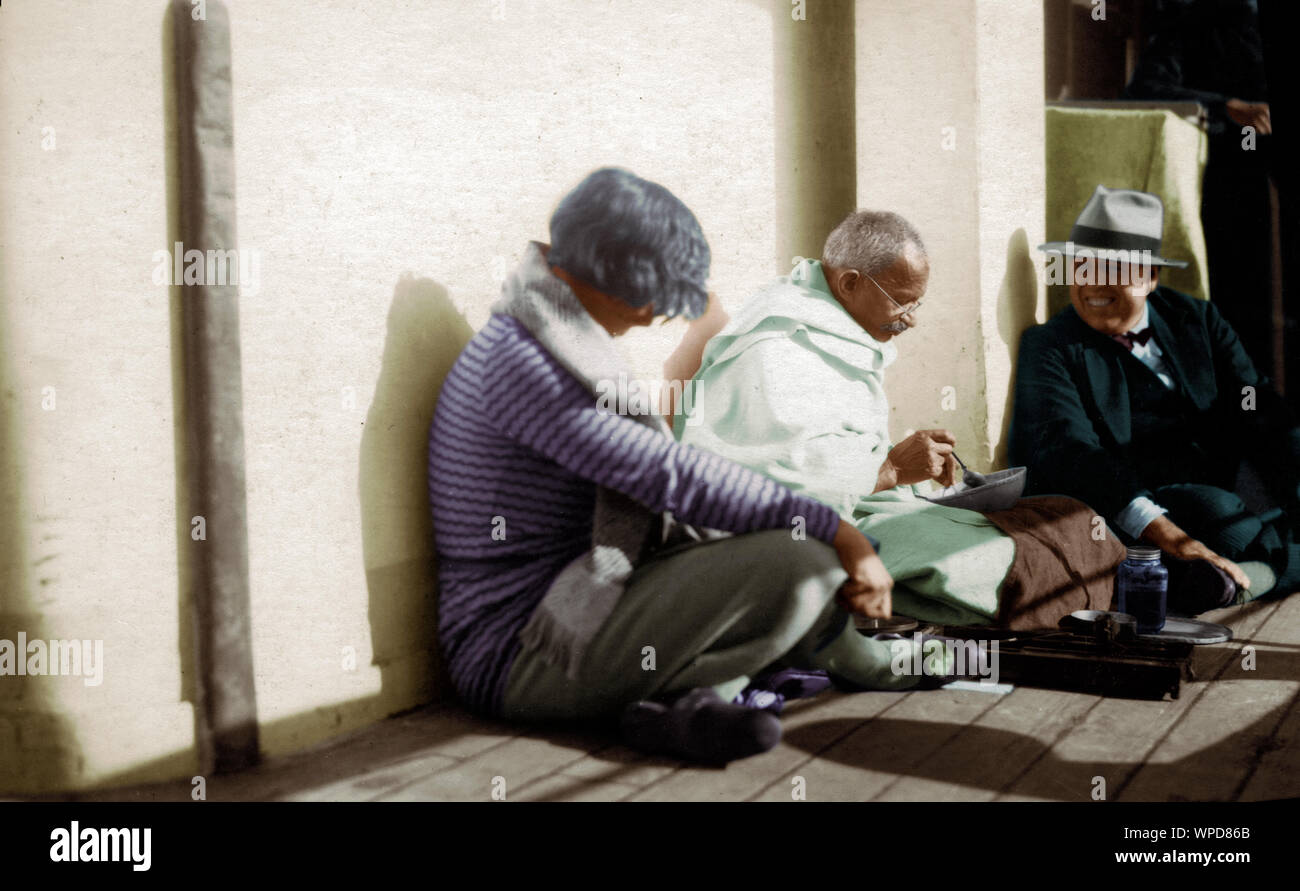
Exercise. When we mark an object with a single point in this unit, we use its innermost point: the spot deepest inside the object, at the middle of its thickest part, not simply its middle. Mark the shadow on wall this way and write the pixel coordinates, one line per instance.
(38, 746)
(1017, 310)
(814, 106)
(425, 335)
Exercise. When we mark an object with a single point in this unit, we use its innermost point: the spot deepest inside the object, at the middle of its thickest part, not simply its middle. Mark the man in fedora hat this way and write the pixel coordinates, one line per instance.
(1142, 401)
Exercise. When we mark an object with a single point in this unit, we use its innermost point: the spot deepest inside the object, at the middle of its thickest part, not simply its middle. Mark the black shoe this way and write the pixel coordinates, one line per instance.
(1197, 586)
(700, 727)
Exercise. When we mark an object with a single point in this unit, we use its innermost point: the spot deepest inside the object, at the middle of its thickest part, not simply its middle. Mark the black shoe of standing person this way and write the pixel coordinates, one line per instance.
(699, 726)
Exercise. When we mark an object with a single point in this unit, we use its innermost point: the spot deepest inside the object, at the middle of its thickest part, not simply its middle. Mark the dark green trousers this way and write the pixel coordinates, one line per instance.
(1222, 521)
(710, 615)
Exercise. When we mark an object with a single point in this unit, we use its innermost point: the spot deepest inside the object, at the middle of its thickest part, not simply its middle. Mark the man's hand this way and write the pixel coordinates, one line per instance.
(1250, 114)
(925, 455)
(867, 589)
(1168, 537)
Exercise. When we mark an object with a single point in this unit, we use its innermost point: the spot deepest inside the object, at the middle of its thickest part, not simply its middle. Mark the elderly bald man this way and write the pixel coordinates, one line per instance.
(794, 387)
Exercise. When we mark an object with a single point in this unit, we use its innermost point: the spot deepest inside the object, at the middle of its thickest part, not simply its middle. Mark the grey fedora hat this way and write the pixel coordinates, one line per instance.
(1118, 220)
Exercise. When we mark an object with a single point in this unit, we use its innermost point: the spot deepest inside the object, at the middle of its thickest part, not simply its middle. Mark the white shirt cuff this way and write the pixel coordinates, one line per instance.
(1138, 515)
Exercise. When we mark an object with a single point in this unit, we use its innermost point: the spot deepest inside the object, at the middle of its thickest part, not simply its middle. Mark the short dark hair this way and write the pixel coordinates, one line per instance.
(871, 241)
(634, 240)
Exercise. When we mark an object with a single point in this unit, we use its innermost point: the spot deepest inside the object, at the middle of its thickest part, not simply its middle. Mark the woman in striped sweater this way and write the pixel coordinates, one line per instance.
(568, 587)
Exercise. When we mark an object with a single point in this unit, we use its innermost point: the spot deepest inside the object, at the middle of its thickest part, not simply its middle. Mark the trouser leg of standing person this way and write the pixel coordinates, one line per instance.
(1235, 219)
(709, 615)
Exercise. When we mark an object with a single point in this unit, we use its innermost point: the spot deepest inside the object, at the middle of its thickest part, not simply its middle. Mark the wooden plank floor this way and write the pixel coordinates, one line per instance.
(1234, 734)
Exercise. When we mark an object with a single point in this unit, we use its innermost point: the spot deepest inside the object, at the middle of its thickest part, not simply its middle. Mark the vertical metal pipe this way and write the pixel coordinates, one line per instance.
(226, 707)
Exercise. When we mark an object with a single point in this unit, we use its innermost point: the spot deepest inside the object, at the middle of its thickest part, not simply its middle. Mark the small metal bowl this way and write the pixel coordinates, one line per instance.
(1085, 620)
(1000, 491)
(1193, 631)
(892, 625)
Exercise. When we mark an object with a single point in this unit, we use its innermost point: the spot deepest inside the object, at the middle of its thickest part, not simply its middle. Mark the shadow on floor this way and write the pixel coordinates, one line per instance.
(908, 747)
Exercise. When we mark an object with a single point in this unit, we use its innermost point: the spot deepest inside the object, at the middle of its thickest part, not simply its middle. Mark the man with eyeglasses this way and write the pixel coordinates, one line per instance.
(794, 388)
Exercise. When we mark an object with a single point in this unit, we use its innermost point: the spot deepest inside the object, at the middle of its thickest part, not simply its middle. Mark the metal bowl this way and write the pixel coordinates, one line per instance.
(1088, 621)
(892, 625)
(1000, 491)
(1191, 630)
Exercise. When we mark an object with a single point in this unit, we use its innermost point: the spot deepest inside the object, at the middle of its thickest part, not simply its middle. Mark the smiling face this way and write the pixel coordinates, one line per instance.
(1110, 297)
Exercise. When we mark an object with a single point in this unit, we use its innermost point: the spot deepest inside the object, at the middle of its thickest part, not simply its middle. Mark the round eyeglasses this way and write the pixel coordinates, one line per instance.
(902, 310)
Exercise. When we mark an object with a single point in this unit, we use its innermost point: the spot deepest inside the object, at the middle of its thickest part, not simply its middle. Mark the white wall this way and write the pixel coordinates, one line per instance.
(950, 135)
(375, 141)
(392, 161)
(88, 547)
(386, 155)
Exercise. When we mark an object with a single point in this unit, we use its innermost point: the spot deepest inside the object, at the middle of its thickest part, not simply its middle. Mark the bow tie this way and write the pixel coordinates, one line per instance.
(1133, 338)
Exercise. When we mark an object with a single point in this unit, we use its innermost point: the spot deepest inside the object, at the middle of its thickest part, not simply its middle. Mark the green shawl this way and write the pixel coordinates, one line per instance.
(793, 387)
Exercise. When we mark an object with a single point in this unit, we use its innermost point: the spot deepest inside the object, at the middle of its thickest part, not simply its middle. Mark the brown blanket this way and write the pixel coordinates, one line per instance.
(1059, 567)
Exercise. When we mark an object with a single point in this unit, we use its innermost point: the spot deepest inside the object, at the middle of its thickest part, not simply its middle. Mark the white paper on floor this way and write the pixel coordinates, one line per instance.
(980, 687)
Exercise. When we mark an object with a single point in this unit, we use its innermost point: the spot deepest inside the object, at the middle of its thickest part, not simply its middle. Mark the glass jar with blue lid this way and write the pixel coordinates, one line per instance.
(1142, 586)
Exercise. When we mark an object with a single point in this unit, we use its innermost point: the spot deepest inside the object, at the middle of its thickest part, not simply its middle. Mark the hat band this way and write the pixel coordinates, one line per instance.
(1110, 239)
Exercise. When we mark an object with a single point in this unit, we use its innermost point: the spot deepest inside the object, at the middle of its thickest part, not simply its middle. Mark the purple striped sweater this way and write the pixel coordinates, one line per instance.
(518, 446)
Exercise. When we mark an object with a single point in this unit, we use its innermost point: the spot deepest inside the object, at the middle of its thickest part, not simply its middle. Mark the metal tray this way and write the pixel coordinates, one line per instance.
(1193, 631)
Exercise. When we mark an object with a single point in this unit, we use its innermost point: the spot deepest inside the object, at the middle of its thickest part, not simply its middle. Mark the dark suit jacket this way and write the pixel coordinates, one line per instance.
(1072, 425)
(1208, 51)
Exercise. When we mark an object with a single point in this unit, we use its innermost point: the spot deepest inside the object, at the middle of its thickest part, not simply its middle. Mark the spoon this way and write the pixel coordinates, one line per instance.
(968, 476)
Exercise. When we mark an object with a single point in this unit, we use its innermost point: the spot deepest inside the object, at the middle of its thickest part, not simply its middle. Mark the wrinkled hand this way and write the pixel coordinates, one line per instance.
(1195, 550)
(867, 590)
(951, 473)
(1250, 114)
(1164, 534)
(925, 455)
